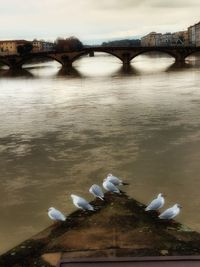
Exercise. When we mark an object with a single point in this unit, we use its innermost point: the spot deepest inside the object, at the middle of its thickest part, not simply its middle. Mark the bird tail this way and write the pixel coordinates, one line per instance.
(91, 208)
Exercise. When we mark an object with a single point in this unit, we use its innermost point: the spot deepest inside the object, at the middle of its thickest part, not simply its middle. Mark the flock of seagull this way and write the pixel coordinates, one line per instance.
(110, 184)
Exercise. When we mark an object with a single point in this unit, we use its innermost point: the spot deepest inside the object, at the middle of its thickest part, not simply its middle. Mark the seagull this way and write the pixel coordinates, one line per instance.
(157, 203)
(114, 180)
(171, 212)
(56, 215)
(96, 191)
(81, 203)
(110, 187)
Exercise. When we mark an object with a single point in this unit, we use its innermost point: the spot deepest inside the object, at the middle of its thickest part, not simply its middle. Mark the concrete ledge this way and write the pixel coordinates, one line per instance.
(175, 261)
(119, 228)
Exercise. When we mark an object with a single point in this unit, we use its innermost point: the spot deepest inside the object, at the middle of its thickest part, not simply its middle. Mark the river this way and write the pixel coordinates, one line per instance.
(60, 133)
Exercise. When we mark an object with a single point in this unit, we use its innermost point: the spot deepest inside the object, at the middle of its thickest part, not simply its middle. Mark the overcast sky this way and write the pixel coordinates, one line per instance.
(94, 20)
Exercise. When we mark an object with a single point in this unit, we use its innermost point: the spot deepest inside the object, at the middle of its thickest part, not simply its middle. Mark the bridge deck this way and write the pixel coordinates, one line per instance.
(125, 54)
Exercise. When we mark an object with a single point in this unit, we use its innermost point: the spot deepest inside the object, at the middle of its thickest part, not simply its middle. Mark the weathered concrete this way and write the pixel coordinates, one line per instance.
(119, 228)
(158, 261)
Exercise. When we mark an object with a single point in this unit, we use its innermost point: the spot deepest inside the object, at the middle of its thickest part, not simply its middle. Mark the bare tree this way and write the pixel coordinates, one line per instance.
(68, 44)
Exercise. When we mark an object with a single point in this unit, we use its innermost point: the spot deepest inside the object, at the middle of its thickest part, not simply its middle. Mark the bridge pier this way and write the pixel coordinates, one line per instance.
(126, 60)
(12, 63)
(180, 59)
(14, 67)
(66, 64)
(91, 54)
(180, 55)
(126, 66)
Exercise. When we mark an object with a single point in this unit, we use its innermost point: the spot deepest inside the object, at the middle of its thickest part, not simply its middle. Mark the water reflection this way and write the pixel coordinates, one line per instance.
(183, 66)
(100, 65)
(15, 73)
(126, 71)
(86, 67)
(72, 72)
(59, 134)
(43, 69)
(155, 64)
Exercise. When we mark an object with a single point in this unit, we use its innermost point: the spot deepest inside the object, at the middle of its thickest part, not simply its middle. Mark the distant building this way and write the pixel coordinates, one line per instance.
(39, 46)
(48, 46)
(166, 39)
(180, 38)
(197, 34)
(194, 34)
(9, 47)
(151, 39)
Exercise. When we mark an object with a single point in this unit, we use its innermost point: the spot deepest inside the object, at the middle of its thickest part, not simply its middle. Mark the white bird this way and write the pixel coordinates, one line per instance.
(157, 203)
(96, 191)
(81, 203)
(56, 215)
(171, 212)
(110, 187)
(114, 180)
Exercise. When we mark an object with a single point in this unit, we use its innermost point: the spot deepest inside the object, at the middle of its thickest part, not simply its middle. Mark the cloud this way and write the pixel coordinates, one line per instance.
(117, 4)
(92, 19)
(145, 4)
(174, 4)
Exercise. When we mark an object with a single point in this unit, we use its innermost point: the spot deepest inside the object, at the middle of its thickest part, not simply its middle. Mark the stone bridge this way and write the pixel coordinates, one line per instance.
(124, 54)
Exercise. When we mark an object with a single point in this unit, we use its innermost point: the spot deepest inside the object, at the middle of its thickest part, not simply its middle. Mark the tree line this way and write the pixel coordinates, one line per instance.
(68, 44)
(74, 44)
(123, 42)
(60, 45)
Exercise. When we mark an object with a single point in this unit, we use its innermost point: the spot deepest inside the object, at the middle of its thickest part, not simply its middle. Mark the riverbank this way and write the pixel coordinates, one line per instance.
(119, 228)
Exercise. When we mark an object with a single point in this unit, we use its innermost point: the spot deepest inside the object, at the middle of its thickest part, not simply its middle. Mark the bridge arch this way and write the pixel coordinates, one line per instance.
(124, 54)
(162, 51)
(79, 55)
(5, 62)
(26, 59)
(110, 53)
(127, 55)
(96, 51)
(191, 53)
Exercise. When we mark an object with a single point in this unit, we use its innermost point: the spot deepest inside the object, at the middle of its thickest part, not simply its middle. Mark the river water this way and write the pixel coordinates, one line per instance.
(60, 133)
